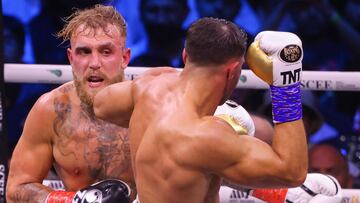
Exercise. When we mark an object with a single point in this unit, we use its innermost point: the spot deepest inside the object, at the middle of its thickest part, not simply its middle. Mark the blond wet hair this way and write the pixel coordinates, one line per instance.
(97, 17)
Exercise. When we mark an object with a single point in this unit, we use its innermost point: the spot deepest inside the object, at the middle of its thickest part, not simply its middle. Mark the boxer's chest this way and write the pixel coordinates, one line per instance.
(90, 147)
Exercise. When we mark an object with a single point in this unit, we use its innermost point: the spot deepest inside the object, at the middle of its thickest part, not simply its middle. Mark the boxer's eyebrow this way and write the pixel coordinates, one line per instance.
(82, 49)
(106, 45)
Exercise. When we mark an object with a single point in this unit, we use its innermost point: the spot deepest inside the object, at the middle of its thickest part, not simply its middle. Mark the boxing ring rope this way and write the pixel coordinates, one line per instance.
(311, 80)
(58, 74)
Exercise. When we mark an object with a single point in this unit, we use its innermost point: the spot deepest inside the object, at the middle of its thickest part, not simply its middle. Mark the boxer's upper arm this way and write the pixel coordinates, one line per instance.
(241, 159)
(250, 161)
(115, 103)
(32, 156)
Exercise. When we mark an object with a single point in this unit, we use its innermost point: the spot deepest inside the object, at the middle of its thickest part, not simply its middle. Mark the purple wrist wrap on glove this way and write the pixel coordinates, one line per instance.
(286, 103)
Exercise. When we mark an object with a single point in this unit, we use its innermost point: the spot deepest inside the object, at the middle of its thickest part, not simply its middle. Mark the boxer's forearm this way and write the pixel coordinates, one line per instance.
(28, 193)
(289, 143)
(276, 57)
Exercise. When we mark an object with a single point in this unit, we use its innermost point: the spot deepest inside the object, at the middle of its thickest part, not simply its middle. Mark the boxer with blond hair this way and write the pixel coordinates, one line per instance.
(91, 156)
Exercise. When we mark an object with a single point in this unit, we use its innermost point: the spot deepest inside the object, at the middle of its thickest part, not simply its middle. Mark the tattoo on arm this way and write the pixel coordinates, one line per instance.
(30, 193)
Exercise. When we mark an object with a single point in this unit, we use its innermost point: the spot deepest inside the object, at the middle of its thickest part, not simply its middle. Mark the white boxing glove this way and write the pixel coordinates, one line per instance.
(276, 57)
(237, 117)
(317, 188)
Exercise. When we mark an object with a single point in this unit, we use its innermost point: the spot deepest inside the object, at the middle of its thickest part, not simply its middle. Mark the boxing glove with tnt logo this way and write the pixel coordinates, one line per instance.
(276, 57)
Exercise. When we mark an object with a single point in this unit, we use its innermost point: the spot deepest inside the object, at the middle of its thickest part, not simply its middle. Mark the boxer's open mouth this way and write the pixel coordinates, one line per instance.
(95, 81)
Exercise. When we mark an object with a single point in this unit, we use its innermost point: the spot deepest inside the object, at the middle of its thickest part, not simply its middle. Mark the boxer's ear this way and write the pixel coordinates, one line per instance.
(126, 57)
(184, 56)
(234, 69)
(69, 54)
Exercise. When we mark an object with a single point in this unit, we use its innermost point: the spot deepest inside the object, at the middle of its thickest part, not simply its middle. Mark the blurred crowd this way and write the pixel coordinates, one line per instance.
(329, 29)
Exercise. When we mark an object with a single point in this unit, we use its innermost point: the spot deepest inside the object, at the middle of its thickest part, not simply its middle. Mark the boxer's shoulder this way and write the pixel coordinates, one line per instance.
(159, 70)
(154, 74)
(57, 103)
(65, 91)
(156, 83)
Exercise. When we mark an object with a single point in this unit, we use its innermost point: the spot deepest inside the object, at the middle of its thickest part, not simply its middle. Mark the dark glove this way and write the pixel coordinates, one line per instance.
(106, 191)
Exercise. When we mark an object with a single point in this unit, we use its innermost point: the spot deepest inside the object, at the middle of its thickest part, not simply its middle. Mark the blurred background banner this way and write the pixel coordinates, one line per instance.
(3, 137)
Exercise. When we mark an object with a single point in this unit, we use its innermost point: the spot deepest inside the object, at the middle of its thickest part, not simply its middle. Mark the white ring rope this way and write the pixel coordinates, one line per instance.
(58, 74)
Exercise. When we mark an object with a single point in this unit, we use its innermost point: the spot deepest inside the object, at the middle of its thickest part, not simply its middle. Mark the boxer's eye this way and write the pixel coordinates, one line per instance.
(106, 52)
(82, 51)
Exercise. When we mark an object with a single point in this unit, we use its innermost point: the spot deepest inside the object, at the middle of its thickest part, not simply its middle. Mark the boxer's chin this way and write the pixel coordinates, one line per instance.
(86, 97)
(87, 92)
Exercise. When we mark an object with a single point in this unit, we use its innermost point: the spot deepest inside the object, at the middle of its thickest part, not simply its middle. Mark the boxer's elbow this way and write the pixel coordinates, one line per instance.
(294, 175)
(296, 180)
(299, 170)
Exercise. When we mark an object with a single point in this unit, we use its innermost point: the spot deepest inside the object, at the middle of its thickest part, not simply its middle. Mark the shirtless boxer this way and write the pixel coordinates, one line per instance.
(61, 128)
(179, 150)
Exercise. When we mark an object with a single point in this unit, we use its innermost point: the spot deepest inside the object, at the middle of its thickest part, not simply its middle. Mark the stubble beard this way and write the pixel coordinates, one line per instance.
(87, 98)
